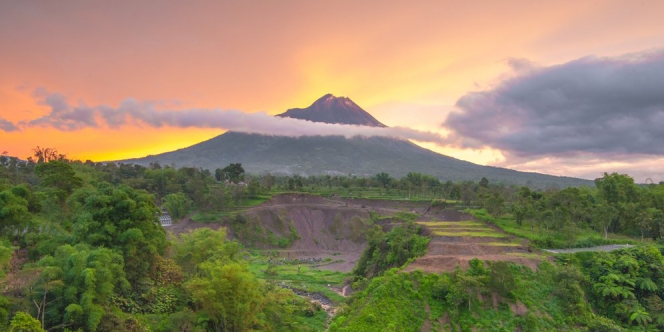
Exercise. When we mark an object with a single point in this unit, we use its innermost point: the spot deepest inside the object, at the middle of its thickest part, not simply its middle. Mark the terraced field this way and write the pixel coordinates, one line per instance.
(456, 242)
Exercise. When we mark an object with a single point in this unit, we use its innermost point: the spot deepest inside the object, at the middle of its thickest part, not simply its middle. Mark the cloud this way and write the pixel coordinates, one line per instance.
(602, 107)
(62, 115)
(66, 117)
(643, 169)
(7, 126)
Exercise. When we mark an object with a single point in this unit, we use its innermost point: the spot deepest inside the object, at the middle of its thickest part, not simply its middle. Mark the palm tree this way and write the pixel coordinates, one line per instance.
(641, 316)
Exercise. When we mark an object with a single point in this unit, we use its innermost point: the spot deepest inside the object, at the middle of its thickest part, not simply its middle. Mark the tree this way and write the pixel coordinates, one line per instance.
(253, 189)
(202, 245)
(14, 215)
(60, 176)
(229, 295)
(177, 205)
(46, 155)
(79, 281)
(124, 219)
(603, 215)
(640, 316)
(620, 192)
(233, 173)
(23, 322)
(384, 179)
(269, 181)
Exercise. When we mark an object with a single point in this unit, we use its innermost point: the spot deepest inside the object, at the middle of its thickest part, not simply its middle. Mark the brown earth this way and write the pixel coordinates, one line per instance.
(326, 228)
(445, 253)
(334, 228)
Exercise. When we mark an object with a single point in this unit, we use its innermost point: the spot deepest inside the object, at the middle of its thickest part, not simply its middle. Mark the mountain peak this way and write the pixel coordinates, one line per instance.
(331, 109)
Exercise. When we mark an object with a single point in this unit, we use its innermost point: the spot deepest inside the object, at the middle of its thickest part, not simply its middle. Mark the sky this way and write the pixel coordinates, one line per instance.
(571, 88)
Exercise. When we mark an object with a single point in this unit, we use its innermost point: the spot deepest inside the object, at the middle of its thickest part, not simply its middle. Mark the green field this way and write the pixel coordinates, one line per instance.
(305, 277)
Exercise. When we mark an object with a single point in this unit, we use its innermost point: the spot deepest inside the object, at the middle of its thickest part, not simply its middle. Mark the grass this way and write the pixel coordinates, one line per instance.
(209, 216)
(434, 228)
(254, 201)
(502, 244)
(461, 228)
(315, 323)
(527, 255)
(542, 238)
(468, 223)
(470, 234)
(303, 276)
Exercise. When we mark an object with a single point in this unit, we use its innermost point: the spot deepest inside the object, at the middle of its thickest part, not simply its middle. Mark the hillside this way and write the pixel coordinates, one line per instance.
(331, 155)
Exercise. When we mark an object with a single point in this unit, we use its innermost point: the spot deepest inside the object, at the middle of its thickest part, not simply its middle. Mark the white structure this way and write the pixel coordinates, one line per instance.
(165, 219)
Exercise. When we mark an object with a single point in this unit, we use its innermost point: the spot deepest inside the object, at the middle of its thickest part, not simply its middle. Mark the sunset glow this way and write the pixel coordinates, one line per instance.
(407, 64)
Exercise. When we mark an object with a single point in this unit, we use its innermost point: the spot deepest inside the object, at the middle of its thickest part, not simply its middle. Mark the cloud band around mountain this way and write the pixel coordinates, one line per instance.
(590, 106)
(63, 116)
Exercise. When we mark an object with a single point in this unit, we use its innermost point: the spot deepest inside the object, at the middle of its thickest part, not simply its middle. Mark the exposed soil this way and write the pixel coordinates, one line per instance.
(326, 228)
(17, 279)
(444, 253)
(334, 228)
(426, 327)
(519, 308)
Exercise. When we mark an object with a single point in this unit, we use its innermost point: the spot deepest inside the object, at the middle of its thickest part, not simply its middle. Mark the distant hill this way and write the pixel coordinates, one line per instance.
(336, 155)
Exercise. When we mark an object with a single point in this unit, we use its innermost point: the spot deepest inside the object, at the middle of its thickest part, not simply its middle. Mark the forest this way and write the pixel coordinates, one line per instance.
(81, 249)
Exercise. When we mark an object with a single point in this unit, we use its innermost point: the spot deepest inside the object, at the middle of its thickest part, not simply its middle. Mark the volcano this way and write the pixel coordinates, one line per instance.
(331, 109)
(337, 155)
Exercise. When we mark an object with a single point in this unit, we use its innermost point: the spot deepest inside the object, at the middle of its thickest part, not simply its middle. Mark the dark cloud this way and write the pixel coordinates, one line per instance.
(7, 126)
(62, 115)
(597, 106)
(66, 117)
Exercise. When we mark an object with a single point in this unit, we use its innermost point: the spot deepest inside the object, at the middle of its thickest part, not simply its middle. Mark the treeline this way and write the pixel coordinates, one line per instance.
(81, 249)
(616, 205)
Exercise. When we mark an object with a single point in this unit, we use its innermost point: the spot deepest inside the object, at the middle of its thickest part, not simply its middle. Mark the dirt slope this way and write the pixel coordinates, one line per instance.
(456, 238)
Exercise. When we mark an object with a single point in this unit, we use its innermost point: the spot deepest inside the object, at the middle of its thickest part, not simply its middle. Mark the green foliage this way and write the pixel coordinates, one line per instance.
(104, 262)
(202, 245)
(60, 176)
(177, 205)
(472, 300)
(23, 322)
(384, 179)
(14, 214)
(5, 306)
(78, 282)
(233, 173)
(229, 295)
(124, 219)
(568, 237)
(300, 276)
(391, 249)
(627, 285)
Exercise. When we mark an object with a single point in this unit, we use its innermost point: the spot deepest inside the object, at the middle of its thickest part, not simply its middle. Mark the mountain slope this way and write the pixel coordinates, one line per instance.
(337, 155)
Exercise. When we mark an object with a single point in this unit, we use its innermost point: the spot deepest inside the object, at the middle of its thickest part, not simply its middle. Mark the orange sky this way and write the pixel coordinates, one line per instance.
(405, 62)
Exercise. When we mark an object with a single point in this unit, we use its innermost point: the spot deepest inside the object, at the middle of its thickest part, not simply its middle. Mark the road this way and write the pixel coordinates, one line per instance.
(598, 248)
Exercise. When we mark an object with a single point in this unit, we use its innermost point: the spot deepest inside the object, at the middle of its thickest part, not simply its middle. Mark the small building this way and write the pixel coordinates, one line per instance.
(165, 219)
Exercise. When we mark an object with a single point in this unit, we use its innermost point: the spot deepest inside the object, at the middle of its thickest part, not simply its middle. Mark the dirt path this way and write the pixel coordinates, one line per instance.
(598, 248)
